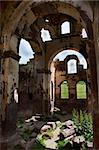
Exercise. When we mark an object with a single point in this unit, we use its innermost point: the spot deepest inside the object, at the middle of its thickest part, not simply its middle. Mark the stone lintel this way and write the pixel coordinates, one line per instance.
(11, 54)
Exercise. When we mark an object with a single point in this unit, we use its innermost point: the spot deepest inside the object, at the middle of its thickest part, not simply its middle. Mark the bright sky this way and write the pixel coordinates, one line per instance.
(62, 55)
(45, 35)
(84, 33)
(25, 51)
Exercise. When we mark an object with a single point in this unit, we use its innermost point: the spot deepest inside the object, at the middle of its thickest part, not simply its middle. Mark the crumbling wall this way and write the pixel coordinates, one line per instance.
(72, 79)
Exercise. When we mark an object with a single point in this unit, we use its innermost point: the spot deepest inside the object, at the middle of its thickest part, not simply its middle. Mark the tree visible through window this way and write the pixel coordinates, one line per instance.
(64, 90)
(81, 90)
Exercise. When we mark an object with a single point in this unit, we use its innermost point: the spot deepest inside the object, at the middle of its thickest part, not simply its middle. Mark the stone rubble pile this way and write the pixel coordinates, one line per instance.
(53, 133)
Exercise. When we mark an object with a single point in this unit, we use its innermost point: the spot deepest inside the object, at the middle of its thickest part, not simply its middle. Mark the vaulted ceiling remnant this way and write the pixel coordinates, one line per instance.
(33, 19)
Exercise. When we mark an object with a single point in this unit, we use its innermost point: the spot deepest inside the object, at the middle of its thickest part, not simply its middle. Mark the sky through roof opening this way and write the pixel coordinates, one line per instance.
(45, 35)
(25, 51)
(84, 33)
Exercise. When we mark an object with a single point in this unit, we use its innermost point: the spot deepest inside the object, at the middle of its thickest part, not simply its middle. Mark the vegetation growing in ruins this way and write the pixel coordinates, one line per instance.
(71, 134)
(84, 123)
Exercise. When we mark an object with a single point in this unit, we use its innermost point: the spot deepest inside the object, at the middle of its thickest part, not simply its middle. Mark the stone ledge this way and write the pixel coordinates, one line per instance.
(11, 54)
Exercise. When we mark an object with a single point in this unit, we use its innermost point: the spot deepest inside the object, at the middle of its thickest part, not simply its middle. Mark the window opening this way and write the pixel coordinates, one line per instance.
(25, 51)
(63, 54)
(81, 90)
(46, 20)
(64, 90)
(84, 33)
(45, 35)
(65, 27)
(72, 66)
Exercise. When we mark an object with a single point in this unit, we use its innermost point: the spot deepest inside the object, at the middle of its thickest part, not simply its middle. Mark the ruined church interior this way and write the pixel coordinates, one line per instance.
(49, 75)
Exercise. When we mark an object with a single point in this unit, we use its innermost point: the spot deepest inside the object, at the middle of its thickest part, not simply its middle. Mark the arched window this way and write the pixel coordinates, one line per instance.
(81, 90)
(65, 27)
(45, 35)
(62, 55)
(72, 66)
(64, 90)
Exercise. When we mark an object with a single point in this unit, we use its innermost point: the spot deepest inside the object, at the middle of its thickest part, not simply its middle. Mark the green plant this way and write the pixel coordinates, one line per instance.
(20, 123)
(62, 143)
(26, 134)
(25, 129)
(38, 146)
(83, 122)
